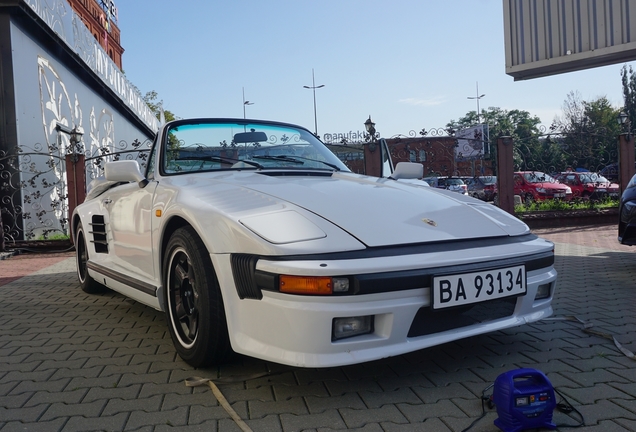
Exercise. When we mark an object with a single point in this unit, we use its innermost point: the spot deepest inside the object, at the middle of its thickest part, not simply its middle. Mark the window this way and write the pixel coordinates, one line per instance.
(412, 156)
(422, 156)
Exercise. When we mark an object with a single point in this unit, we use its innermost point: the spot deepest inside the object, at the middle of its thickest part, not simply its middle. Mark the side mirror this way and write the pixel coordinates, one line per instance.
(124, 171)
(408, 170)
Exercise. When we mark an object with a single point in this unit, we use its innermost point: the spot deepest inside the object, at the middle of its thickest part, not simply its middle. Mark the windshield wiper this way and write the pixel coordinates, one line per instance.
(289, 158)
(282, 158)
(221, 159)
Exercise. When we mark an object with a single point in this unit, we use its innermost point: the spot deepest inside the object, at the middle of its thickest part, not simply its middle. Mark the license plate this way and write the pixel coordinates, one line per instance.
(466, 288)
(559, 195)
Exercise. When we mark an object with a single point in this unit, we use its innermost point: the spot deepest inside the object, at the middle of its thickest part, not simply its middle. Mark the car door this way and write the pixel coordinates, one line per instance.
(127, 211)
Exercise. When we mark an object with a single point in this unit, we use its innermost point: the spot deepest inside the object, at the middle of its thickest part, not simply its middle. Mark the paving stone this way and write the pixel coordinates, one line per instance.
(92, 372)
(400, 382)
(627, 403)
(137, 419)
(209, 426)
(441, 380)
(282, 392)
(338, 388)
(430, 425)
(419, 413)
(26, 415)
(433, 395)
(67, 397)
(373, 370)
(34, 386)
(89, 409)
(108, 360)
(629, 388)
(484, 424)
(370, 427)
(604, 409)
(133, 378)
(629, 425)
(262, 394)
(115, 405)
(101, 423)
(321, 404)
(15, 401)
(328, 419)
(266, 424)
(309, 376)
(295, 405)
(200, 414)
(377, 400)
(586, 379)
(150, 389)
(596, 362)
(40, 426)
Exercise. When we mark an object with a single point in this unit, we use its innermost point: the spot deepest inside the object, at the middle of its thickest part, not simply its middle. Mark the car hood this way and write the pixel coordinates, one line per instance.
(377, 212)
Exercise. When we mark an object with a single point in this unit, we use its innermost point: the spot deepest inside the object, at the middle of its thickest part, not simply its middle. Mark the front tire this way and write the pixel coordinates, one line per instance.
(194, 305)
(88, 284)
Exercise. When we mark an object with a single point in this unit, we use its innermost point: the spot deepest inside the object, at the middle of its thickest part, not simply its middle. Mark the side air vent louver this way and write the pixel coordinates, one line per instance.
(98, 230)
(243, 270)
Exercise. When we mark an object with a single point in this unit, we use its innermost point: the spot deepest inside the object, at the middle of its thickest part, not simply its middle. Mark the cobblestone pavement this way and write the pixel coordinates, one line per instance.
(76, 362)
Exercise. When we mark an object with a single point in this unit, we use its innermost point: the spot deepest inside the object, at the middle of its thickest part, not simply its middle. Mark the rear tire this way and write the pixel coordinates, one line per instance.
(194, 305)
(88, 284)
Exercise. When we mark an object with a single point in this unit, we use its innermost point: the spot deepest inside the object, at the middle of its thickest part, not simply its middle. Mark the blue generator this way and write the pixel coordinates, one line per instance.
(524, 399)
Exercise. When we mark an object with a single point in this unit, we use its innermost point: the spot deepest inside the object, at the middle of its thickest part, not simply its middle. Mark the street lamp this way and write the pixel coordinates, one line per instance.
(75, 136)
(477, 97)
(370, 128)
(313, 87)
(245, 103)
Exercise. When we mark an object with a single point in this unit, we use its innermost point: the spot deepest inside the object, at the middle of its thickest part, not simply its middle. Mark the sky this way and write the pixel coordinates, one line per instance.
(408, 64)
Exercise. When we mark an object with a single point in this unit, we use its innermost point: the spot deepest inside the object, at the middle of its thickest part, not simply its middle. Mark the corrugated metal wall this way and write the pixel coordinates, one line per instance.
(544, 37)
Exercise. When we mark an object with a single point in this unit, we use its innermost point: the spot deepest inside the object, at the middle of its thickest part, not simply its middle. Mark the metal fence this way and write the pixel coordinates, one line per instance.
(34, 189)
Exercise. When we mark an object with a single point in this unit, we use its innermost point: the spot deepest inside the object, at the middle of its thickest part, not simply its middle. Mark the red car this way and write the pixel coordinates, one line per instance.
(539, 186)
(589, 185)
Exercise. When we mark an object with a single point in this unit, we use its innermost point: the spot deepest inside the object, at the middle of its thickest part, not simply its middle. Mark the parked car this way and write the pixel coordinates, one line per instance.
(482, 187)
(627, 214)
(539, 186)
(611, 172)
(588, 185)
(454, 184)
(252, 237)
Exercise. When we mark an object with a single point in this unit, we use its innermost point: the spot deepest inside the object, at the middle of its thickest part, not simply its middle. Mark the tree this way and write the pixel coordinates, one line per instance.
(518, 124)
(587, 132)
(156, 105)
(628, 78)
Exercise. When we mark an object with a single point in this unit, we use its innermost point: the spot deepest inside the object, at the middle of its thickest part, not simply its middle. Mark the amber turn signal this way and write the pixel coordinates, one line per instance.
(305, 285)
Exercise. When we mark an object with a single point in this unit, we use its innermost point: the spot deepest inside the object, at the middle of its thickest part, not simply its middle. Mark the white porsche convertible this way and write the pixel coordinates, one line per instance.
(254, 238)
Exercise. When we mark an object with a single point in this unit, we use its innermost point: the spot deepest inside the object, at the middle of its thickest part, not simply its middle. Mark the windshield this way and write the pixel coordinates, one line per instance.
(593, 178)
(233, 145)
(454, 182)
(538, 177)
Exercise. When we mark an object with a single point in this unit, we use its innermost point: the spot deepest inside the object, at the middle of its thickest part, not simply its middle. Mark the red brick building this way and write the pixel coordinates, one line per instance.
(100, 16)
(438, 156)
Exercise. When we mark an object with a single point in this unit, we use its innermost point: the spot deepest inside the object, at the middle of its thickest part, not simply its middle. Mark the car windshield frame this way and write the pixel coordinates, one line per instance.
(209, 145)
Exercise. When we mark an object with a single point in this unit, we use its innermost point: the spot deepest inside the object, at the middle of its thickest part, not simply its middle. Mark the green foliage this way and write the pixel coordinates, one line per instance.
(518, 124)
(628, 78)
(587, 133)
(56, 236)
(559, 205)
(155, 105)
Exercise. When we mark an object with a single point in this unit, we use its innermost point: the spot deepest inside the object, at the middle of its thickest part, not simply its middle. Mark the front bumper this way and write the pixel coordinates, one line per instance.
(297, 330)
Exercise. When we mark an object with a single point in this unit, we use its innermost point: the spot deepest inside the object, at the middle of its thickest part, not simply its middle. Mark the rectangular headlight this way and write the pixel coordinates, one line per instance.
(543, 291)
(351, 326)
